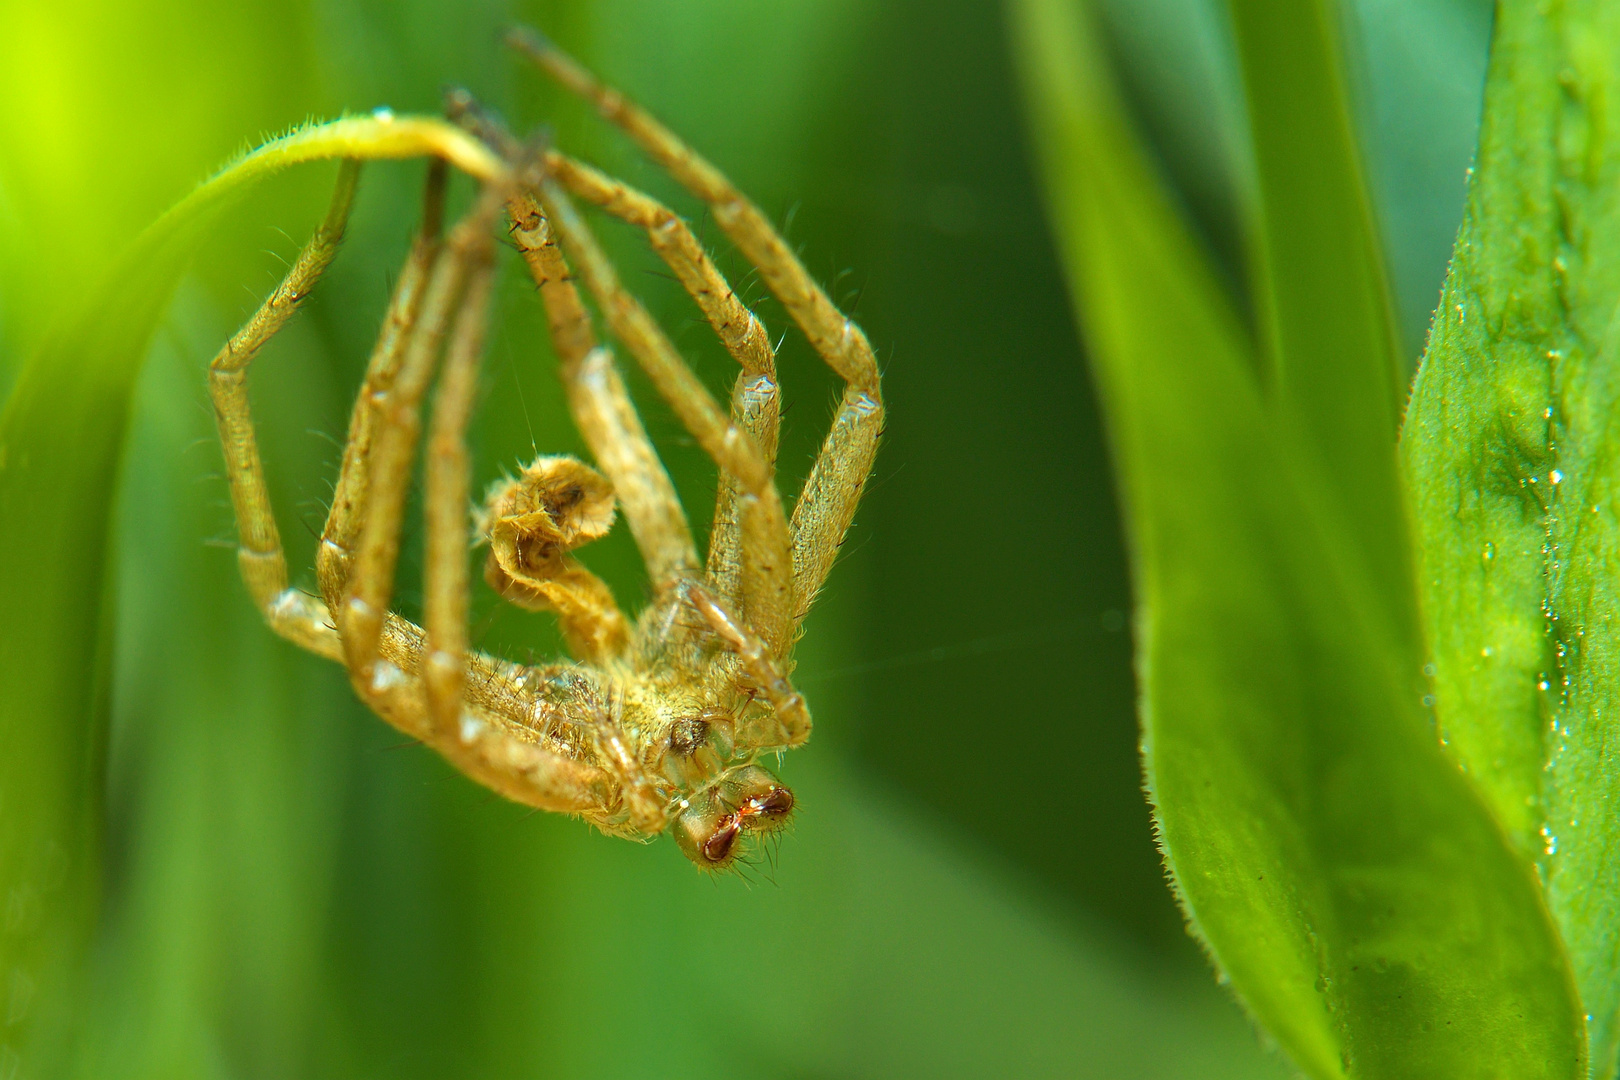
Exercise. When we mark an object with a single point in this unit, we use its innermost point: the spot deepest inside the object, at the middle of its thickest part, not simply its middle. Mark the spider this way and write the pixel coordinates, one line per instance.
(656, 725)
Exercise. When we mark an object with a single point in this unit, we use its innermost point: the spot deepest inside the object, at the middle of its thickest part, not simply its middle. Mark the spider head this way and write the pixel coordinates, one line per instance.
(748, 799)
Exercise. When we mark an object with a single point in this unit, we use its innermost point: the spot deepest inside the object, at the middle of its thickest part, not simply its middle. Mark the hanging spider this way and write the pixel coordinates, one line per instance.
(657, 724)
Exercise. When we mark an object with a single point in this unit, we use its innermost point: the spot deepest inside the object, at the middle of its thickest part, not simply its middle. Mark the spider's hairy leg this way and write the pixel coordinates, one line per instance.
(827, 505)
(592, 624)
(480, 745)
(386, 654)
(444, 609)
(496, 742)
(601, 406)
(765, 540)
(362, 613)
(557, 503)
(259, 553)
(341, 536)
(757, 591)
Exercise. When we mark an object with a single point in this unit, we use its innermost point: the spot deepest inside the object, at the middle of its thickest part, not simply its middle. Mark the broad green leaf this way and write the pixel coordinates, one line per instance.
(1510, 450)
(1341, 871)
(60, 437)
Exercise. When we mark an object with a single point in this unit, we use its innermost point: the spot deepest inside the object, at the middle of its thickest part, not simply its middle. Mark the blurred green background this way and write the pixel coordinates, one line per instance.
(971, 888)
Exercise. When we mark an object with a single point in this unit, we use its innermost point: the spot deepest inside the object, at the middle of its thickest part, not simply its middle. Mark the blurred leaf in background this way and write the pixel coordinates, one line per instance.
(972, 888)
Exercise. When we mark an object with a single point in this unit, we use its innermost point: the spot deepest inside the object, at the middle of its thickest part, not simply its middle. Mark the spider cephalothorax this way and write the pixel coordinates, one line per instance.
(656, 724)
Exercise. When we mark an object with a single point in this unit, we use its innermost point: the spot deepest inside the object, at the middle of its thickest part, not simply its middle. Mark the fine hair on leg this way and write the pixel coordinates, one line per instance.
(601, 406)
(362, 614)
(260, 557)
(755, 397)
(767, 546)
(341, 536)
(444, 610)
(827, 505)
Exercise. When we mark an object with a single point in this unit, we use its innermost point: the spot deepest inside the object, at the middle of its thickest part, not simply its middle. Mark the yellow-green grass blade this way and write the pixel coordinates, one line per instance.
(1343, 874)
(60, 437)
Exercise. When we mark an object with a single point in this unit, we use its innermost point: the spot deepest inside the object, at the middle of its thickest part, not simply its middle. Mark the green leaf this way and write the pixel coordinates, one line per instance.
(1327, 330)
(1510, 448)
(1341, 871)
(60, 437)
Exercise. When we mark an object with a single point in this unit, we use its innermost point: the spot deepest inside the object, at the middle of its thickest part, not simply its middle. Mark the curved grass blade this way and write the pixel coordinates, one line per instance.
(1341, 871)
(60, 436)
(1510, 449)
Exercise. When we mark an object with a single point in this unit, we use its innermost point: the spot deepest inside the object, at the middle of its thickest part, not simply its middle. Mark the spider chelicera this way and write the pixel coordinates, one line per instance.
(657, 724)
